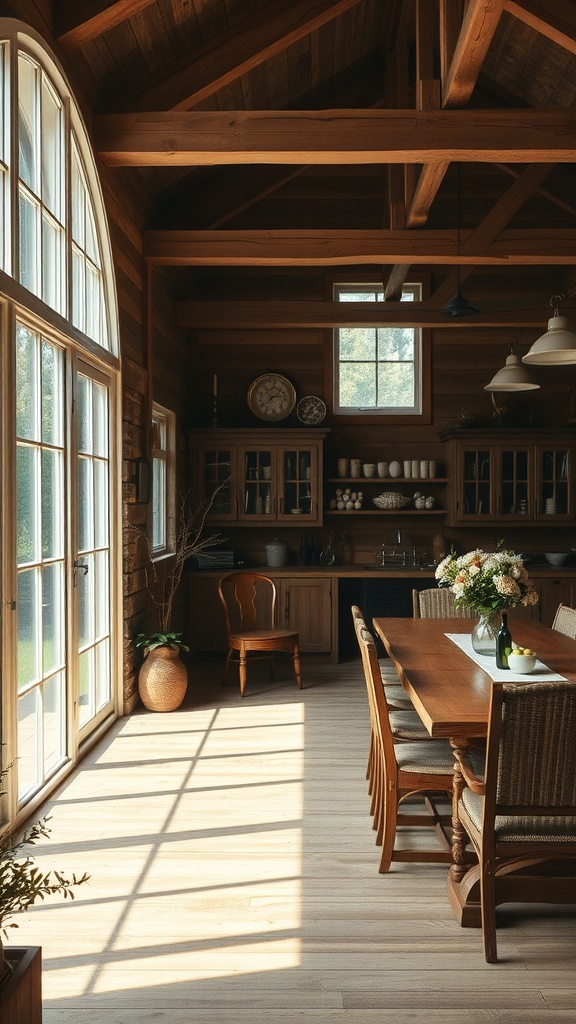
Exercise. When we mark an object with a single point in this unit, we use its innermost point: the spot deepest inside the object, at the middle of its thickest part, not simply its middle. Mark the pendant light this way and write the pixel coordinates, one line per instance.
(512, 376)
(557, 347)
(458, 305)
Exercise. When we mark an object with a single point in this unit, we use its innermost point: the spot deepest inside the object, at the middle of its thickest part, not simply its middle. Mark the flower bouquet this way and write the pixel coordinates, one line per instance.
(487, 582)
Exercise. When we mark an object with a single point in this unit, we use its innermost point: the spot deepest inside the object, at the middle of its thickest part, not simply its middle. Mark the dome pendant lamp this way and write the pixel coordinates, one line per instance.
(513, 376)
(557, 347)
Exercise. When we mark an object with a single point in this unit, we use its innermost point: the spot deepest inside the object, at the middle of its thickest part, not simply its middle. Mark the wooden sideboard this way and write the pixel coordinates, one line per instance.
(21, 991)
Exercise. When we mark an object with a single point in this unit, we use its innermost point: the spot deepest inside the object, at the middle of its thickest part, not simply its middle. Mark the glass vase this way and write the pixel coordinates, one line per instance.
(484, 633)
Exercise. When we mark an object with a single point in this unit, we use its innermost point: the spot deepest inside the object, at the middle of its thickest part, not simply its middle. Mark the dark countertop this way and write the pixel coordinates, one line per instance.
(539, 571)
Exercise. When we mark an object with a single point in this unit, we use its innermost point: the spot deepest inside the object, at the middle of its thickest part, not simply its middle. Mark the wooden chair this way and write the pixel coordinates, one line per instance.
(249, 602)
(565, 620)
(396, 696)
(438, 603)
(525, 806)
(400, 770)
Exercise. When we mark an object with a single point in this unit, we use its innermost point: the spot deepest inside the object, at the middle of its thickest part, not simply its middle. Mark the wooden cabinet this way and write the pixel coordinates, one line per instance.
(510, 476)
(306, 605)
(258, 477)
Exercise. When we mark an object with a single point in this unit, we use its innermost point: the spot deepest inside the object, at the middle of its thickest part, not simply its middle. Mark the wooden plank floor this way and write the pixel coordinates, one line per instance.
(234, 879)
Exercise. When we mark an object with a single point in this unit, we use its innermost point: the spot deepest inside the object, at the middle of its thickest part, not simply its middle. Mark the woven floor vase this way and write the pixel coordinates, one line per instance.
(162, 680)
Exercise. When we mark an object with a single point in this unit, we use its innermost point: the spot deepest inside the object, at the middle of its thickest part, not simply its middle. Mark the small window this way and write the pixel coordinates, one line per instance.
(163, 463)
(377, 369)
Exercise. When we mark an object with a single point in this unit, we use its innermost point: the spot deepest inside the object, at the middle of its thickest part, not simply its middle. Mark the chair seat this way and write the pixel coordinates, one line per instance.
(264, 636)
(407, 725)
(524, 829)
(397, 698)
(432, 757)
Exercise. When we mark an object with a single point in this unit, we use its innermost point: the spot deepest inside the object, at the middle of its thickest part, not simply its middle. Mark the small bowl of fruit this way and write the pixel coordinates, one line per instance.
(522, 660)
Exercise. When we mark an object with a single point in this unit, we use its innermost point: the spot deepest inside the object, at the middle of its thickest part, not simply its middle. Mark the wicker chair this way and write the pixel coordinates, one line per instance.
(565, 621)
(438, 603)
(249, 602)
(526, 806)
(400, 770)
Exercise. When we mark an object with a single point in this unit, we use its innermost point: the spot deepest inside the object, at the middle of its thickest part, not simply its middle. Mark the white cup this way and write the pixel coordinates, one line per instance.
(423, 469)
(415, 468)
(355, 467)
(383, 469)
(407, 469)
(369, 469)
(431, 468)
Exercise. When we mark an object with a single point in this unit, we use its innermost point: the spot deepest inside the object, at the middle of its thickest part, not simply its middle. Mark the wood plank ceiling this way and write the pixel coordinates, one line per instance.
(315, 133)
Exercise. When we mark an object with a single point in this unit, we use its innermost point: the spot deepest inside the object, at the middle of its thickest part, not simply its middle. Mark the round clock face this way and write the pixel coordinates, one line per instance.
(311, 410)
(271, 397)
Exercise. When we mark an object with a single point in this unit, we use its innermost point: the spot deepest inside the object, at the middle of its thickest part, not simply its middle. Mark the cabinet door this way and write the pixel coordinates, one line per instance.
(554, 500)
(306, 605)
(298, 483)
(515, 483)
(553, 592)
(258, 485)
(216, 475)
(475, 484)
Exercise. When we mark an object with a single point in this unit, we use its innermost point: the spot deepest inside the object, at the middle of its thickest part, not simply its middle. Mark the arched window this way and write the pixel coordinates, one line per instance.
(60, 381)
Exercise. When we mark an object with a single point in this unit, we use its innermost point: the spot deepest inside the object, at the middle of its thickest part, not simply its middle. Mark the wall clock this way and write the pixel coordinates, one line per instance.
(311, 410)
(271, 397)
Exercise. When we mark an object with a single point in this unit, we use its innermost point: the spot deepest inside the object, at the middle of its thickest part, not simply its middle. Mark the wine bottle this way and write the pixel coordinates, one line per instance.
(503, 643)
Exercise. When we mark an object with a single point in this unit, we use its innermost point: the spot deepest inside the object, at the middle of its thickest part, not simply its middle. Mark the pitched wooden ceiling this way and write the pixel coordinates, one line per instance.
(397, 133)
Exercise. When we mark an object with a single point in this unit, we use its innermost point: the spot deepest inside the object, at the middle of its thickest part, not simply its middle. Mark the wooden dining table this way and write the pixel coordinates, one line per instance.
(451, 694)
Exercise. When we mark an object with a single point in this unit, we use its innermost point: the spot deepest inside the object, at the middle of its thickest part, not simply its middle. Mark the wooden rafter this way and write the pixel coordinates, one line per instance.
(478, 28)
(501, 213)
(80, 21)
(194, 138)
(231, 54)
(335, 248)
(556, 20)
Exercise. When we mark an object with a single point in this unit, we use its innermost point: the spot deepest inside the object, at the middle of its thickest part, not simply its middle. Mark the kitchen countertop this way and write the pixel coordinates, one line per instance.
(541, 571)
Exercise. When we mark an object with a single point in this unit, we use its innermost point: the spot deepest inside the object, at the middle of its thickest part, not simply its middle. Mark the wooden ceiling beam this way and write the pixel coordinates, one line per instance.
(194, 138)
(80, 21)
(229, 55)
(271, 315)
(302, 248)
(556, 21)
(560, 190)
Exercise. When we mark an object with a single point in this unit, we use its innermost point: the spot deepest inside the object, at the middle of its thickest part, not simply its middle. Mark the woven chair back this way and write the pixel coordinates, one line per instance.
(565, 621)
(532, 749)
(438, 603)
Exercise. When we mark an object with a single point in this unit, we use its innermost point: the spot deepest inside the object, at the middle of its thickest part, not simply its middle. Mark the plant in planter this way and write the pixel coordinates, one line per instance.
(163, 678)
(21, 883)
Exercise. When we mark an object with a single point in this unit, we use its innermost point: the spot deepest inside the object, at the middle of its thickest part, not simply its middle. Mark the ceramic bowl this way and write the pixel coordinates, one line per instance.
(556, 557)
(523, 664)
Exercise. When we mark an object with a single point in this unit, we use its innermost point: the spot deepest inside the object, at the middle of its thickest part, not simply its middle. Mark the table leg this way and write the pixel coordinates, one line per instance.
(463, 877)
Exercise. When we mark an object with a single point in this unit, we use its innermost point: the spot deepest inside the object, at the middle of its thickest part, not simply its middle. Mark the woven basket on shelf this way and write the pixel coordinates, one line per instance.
(391, 500)
(162, 680)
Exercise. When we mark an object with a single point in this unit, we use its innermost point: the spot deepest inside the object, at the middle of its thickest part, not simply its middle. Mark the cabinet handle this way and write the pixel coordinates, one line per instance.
(287, 606)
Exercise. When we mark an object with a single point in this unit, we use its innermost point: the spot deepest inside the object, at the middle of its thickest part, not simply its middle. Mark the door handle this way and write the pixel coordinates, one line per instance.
(79, 565)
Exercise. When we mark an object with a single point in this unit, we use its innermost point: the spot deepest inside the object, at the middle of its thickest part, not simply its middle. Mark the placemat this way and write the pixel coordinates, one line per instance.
(501, 675)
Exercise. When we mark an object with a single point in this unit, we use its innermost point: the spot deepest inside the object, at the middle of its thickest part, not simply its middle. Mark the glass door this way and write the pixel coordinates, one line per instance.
(62, 598)
(515, 486)
(92, 598)
(554, 485)
(476, 470)
(40, 604)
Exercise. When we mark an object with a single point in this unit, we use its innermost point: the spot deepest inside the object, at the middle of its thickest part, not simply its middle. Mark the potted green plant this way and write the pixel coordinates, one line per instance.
(21, 883)
(163, 677)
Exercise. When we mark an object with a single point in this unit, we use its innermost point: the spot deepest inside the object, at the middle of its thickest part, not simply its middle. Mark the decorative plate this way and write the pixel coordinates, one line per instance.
(311, 410)
(391, 500)
(271, 397)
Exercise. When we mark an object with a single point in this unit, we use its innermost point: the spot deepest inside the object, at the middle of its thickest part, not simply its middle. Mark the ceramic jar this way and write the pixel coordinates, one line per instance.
(355, 467)
(369, 468)
(395, 469)
(383, 469)
(276, 552)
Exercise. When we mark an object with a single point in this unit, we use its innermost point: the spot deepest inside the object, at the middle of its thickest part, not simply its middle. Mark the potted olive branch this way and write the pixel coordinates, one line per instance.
(163, 678)
(21, 883)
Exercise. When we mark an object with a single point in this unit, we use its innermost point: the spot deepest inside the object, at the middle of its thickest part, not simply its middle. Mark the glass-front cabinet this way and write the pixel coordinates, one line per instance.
(258, 476)
(510, 476)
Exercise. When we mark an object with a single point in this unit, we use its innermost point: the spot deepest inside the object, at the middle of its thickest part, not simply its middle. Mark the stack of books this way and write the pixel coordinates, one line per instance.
(216, 558)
